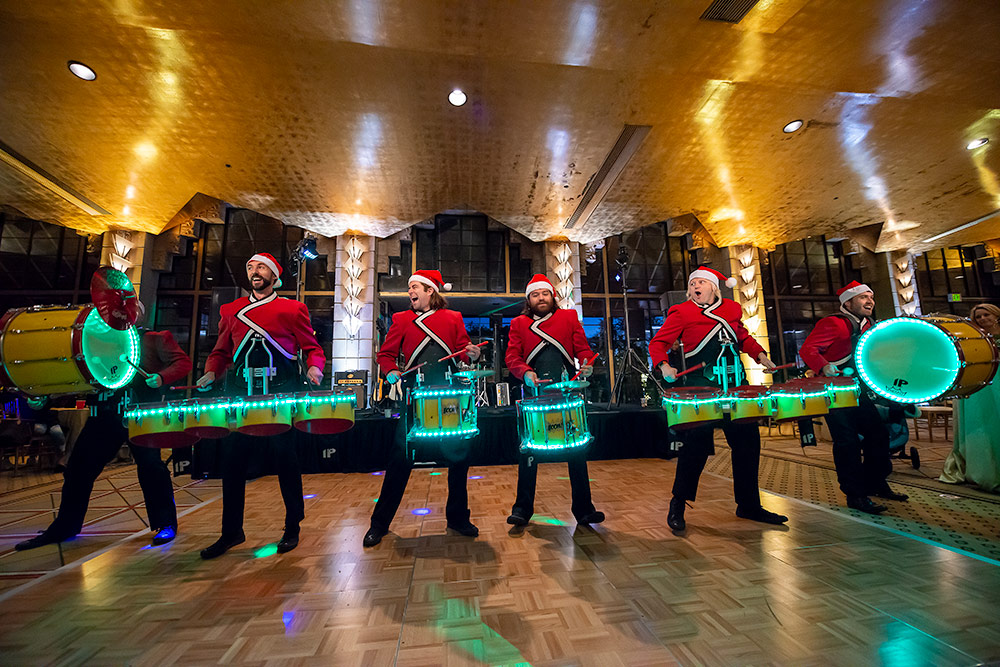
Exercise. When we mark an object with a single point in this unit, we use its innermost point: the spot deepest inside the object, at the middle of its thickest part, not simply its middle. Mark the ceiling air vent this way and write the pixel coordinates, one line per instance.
(728, 11)
(609, 171)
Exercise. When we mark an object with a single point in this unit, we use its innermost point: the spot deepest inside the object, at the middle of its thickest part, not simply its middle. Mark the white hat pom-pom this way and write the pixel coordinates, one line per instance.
(730, 282)
(446, 287)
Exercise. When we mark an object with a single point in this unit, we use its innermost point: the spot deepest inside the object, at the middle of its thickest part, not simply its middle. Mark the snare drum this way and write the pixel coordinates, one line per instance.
(918, 359)
(553, 424)
(843, 392)
(691, 407)
(444, 412)
(51, 350)
(325, 412)
(750, 403)
(158, 425)
(796, 399)
(265, 415)
(206, 418)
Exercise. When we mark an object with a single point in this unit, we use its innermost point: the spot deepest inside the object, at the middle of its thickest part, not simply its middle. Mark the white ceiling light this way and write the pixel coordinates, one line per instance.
(976, 143)
(457, 97)
(82, 71)
(792, 127)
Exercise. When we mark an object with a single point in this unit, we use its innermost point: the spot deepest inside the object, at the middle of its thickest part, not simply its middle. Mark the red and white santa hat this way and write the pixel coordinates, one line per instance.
(268, 260)
(539, 281)
(432, 279)
(712, 276)
(851, 290)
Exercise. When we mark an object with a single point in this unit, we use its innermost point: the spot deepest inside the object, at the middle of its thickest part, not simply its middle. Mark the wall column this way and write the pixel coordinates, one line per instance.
(353, 306)
(745, 266)
(562, 266)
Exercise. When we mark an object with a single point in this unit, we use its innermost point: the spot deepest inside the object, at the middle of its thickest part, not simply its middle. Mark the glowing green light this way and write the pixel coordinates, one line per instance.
(683, 401)
(266, 551)
(240, 404)
(892, 359)
(445, 433)
(548, 520)
(551, 446)
(435, 473)
(102, 347)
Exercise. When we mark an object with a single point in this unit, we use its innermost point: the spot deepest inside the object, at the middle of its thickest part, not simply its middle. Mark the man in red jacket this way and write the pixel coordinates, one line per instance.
(422, 335)
(702, 323)
(545, 341)
(258, 331)
(103, 435)
(860, 437)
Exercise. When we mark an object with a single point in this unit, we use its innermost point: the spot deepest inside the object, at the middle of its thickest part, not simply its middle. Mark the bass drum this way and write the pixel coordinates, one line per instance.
(52, 350)
(919, 359)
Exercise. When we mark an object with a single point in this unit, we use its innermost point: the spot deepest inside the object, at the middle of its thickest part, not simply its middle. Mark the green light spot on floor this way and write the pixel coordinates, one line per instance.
(435, 473)
(374, 500)
(548, 520)
(266, 551)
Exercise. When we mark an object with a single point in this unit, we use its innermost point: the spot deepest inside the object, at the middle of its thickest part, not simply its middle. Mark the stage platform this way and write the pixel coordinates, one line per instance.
(830, 588)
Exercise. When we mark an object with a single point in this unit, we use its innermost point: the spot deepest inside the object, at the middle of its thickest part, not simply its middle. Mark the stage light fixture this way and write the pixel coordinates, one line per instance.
(81, 71)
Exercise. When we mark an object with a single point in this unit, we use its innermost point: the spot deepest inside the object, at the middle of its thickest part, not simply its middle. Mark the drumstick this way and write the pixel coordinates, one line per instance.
(455, 354)
(412, 369)
(590, 362)
(778, 368)
(690, 370)
(186, 387)
(138, 370)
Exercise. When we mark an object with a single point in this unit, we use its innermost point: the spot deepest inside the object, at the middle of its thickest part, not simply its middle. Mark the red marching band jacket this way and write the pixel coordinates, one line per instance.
(161, 355)
(411, 332)
(831, 341)
(283, 323)
(696, 326)
(528, 336)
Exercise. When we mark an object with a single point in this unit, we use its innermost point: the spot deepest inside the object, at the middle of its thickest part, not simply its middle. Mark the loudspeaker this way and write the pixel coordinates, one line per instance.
(357, 380)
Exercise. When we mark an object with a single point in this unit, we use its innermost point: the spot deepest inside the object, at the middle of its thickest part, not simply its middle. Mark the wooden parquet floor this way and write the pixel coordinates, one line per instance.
(825, 590)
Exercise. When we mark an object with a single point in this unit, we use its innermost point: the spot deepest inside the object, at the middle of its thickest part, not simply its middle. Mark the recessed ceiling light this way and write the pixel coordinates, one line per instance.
(457, 97)
(357, 202)
(82, 71)
(792, 127)
(976, 143)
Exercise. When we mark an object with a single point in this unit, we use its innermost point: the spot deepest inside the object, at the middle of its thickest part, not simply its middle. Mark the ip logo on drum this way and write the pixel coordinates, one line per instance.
(898, 384)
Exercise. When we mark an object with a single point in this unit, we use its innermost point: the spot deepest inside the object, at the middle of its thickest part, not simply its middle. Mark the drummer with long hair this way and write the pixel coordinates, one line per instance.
(704, 323)
(546, 341)
(860, 437)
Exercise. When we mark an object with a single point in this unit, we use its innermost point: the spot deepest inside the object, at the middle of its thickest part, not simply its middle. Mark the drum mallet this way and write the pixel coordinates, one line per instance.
(778, 368)
(455, 354)
(412, 369)
(138, 370)
(690, 370)
(185, 387)
(590, 362)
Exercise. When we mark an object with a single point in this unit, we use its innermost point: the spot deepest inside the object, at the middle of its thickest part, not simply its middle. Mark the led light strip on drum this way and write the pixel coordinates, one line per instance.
(133, 355)
(859, 357)
(226, 404)
(696, 401)
(445, 433)
(800, 394)
(441, 393)
(568, 405)
(580, 442)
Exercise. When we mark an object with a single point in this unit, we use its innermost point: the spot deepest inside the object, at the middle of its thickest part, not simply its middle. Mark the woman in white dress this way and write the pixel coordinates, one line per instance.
(976, 456)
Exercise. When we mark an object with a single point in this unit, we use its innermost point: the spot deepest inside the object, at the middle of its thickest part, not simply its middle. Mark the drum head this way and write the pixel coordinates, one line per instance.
(908, 360)
(102, 347)
(114, 297)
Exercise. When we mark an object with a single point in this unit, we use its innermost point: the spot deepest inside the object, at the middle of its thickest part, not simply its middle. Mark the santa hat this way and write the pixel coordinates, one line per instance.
(268, 260)
(432, 279)
(851, 290)
(712, 276)
(539, 281)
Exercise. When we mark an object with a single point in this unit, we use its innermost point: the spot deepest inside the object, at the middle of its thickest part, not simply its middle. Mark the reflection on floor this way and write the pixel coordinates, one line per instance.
(828, 589)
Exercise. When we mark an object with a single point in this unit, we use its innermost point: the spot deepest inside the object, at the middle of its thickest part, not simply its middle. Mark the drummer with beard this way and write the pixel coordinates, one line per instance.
(261, 330)
(422, 335)
(544, 343)
(860, 438)
(702, 323)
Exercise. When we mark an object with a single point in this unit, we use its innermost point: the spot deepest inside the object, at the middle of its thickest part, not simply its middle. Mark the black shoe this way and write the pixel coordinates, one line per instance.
(593, 517)
(289, 540)
(864, 504)
(675, 516)
(887, 493)
(517, 519)
(467, 529)
(164, 535)
(374, 536)
(762, 515)
(40, 540)
(222, 545)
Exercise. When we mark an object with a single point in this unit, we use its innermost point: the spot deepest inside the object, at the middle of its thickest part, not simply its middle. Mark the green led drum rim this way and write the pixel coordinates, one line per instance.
(571, 445)
(184, 409)
(859, 360)
(445, 393)
(133, 355)
(797, 394)
(448, 433)
(558, 407)
(679, 401)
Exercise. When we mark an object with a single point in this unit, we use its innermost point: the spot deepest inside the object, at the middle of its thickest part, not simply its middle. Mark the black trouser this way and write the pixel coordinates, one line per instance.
(237, 450)
(397, 474)
(99, 441)
(860, 448)
(744, 441)
(579, 484)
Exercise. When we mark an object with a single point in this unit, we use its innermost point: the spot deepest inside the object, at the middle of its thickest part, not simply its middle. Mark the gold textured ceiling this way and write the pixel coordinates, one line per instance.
(334, 115)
